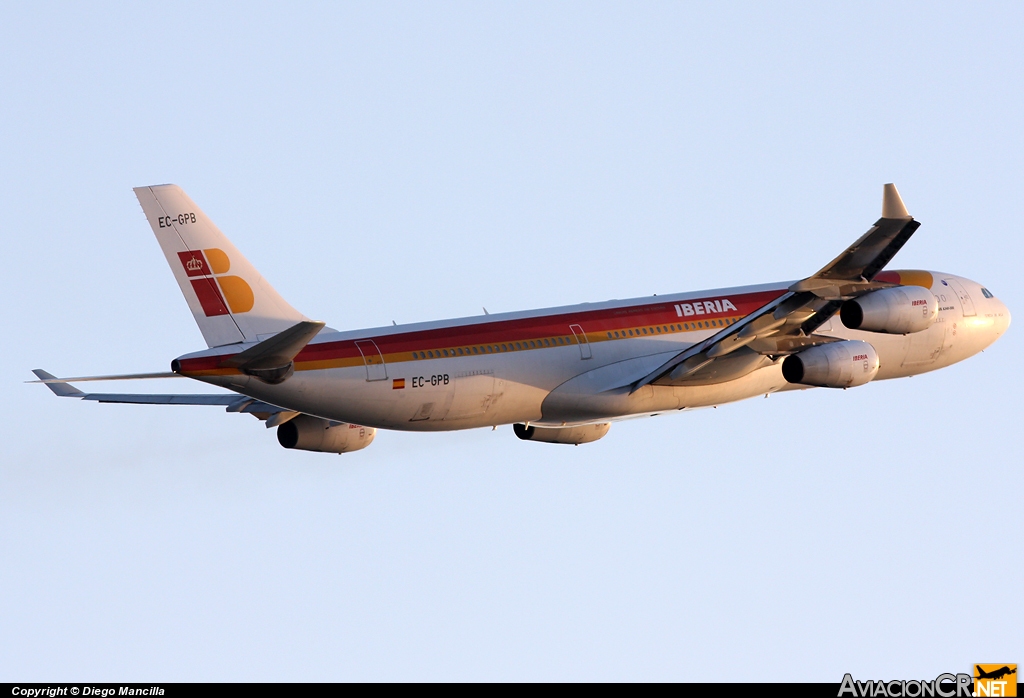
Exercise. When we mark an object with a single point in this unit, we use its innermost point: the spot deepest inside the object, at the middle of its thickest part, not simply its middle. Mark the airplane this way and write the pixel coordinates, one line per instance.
(994, 674)
(558, 375)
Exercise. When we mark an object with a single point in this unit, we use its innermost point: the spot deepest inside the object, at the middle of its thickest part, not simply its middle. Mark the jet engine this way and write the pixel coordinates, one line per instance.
(562, 435)
(314, 434)
(899, 310)
(845, 364)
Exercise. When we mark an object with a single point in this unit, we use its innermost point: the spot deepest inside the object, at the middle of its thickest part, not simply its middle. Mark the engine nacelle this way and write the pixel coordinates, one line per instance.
(845, 364)
(899, 310)
(314, 434)
(562, 435)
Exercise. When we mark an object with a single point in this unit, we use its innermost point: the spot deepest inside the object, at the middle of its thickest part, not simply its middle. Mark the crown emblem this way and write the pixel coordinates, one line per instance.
(194, 264)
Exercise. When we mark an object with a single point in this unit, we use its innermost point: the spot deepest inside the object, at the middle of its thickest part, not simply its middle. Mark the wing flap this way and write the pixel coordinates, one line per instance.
(129, 399)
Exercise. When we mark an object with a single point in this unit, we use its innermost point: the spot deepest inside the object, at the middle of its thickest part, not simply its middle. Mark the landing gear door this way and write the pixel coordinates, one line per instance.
(965, 300)
(581, 339)
(375, 368)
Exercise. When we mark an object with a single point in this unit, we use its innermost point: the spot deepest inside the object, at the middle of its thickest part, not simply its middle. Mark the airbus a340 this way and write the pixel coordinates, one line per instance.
(559, 375)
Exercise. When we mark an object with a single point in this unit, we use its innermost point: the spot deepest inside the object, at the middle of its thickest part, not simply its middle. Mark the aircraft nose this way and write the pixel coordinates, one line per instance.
(1003, 317)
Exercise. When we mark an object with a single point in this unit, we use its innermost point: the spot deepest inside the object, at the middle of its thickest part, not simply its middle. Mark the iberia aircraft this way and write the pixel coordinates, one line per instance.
(559, 375)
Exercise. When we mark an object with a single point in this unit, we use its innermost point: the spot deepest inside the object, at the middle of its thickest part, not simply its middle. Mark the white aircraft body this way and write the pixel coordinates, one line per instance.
(560, 375)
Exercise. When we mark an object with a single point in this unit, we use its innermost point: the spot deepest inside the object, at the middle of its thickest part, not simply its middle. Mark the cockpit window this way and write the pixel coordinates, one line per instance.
(988, 294)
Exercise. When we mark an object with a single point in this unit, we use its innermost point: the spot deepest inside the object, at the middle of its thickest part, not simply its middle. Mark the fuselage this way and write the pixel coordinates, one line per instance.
(572, 365)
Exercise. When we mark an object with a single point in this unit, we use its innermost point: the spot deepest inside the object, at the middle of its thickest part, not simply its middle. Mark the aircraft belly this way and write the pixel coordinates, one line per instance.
(900, 356)
(439, 395)
(570, 405)
(760, 382)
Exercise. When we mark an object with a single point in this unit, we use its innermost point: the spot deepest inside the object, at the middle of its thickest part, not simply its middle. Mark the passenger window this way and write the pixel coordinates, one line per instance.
(474, 350)
(460, 351)
(518, 345)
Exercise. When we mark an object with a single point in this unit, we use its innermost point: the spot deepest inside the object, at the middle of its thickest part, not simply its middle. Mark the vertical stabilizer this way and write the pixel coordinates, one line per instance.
(230, 301)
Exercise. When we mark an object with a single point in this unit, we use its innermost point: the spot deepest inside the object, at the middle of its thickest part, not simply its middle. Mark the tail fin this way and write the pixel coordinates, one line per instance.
(229, 299)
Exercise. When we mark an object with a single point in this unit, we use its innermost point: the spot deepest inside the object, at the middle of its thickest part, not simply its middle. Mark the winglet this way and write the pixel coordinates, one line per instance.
(59, 389)
(892, 204)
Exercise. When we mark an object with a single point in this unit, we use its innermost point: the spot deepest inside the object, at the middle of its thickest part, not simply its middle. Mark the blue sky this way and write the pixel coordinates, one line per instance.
(410, 162)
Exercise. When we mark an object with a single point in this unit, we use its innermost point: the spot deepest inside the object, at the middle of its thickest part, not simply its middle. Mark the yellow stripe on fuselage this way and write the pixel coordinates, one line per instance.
(491, 348)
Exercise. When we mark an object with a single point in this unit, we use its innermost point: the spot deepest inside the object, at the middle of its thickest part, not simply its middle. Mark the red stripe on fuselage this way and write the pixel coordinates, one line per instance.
(592, 321)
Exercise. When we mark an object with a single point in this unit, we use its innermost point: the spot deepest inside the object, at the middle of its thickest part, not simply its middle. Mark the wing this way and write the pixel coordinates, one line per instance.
(272, 414)
(788, 323)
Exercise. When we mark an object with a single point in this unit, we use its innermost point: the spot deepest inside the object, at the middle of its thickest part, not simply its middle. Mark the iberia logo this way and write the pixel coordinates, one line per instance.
(995, 679)
(216, 292)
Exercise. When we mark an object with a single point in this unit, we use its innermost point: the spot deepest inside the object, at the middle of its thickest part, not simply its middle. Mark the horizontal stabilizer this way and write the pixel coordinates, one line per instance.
(234, 403)
(279, 349)
(271, 359)
(51, 379)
